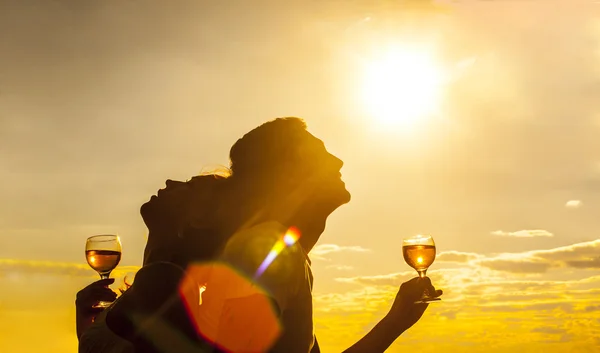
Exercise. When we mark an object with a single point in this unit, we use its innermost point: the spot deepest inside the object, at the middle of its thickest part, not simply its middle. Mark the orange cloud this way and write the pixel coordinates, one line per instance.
(544, 308)
(573, 204)
(14, 268)
(319, 251)
(580, 256)
(524, 233)
(457, 256)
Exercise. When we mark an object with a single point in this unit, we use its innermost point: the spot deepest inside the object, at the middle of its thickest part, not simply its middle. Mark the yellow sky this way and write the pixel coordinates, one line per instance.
(100, 103)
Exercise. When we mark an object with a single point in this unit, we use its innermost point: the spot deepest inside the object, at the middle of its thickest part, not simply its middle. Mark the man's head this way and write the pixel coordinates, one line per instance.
(292, 167)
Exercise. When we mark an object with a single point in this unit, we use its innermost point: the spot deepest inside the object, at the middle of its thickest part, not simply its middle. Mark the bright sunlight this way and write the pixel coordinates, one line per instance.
(402, 86)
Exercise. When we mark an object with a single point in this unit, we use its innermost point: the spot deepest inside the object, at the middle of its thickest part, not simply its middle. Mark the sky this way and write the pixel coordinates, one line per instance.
(101, 102)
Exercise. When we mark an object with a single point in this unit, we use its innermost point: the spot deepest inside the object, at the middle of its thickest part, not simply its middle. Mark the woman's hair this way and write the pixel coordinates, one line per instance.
(270, 145)
(256, 159)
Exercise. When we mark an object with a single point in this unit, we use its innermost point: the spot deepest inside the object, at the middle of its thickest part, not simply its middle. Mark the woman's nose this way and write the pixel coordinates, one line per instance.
(337, 162)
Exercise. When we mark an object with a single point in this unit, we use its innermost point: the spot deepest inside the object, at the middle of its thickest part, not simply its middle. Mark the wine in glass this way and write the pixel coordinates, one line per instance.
(103, 254)
(419, 253)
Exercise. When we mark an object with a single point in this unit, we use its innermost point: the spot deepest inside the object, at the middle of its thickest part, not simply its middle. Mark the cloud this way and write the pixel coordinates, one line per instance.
(39, 296)
(573, 204)
(324, 249)
(392, 279)
(486, 299)
(341, 267)
(579, 256)
(592, 308)
(11, 267)
(485, 281)
(493, 296)
(551, 330)
(495, 285)
(16, 269)
(516, 266)
(543, 307)
(524, 233)
(457, 257)
(373, 298)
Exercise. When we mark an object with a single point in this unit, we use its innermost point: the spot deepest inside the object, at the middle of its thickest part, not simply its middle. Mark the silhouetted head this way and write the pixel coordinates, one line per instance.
(283, 156)
(297, 181)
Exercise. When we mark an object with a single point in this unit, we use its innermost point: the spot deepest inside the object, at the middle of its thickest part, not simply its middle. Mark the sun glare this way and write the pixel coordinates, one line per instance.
(402, 86)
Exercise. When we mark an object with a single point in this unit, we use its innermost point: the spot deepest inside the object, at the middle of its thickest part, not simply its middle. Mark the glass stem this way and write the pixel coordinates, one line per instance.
(105, 275)
(422, 274)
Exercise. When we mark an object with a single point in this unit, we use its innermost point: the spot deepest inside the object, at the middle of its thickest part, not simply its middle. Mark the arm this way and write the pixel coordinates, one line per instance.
(378, 339)
(403, 315)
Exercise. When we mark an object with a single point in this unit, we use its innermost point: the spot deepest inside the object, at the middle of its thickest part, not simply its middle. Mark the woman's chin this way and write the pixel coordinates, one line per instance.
(345, 196)
(336, 198)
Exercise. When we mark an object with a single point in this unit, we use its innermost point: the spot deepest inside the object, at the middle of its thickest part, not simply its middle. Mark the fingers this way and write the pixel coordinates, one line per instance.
(103, 282)
(427, 286)
(103, 293)
(414, 288)
(97, 297)
(107, 297)
(411, 291)
(94, 292)
(93, 311)
(424, 281)
(413, 282)
(419, 284)
(90, 298)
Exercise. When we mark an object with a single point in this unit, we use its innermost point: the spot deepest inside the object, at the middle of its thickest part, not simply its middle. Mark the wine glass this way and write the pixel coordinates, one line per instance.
(419, 253)
(103, 254)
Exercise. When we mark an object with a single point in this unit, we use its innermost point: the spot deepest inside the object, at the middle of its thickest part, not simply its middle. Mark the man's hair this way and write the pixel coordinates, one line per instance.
(269, 145)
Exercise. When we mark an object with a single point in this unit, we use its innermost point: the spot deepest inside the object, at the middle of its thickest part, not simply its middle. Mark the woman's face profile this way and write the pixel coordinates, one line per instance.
(322, 170)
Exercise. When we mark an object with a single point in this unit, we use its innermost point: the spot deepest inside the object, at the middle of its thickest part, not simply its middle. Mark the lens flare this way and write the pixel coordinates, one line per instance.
(230, 312)
(290, 238)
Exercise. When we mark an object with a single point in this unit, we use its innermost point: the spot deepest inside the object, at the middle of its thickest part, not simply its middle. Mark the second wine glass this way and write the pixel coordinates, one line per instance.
(103, 254)
(419, 253)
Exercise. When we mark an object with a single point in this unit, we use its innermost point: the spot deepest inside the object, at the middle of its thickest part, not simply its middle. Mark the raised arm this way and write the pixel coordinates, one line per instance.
(87, 298)
(403, 315)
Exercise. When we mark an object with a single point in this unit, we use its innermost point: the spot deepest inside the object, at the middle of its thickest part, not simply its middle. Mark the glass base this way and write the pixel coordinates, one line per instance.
(102, 305)
(427, 300)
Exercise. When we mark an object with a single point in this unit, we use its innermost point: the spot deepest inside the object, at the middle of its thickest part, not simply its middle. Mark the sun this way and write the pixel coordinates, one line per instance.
(402, 86)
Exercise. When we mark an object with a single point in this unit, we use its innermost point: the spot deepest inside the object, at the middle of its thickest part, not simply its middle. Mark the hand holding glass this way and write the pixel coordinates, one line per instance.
(103, 254)
(419, 253)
